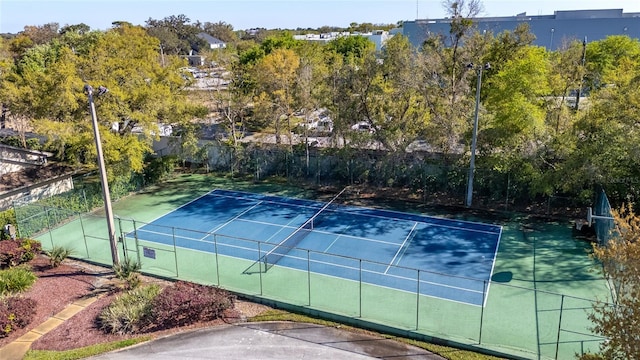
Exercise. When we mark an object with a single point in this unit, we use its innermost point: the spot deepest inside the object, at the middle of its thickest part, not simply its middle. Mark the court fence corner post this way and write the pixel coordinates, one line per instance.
(418, 301)
(259, 265)
(559, 326)
(309, 275)
(485, 285)
(360, 289)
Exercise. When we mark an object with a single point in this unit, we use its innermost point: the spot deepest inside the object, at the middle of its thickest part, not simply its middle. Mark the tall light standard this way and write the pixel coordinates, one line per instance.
(584, 60)
(472, 164)
(103, 174)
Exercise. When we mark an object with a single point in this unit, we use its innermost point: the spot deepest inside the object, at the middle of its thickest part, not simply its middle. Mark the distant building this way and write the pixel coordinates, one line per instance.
(214, 43)
(551, 31)
(378, 37)
(194, 60)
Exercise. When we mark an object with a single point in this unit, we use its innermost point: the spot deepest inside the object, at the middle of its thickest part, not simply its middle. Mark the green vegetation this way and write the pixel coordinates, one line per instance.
(533, 143)
(57, 255)
(128, 271)
(16, 280)
(128, 313)
(620, 258)
(84, 352)
(149, 307)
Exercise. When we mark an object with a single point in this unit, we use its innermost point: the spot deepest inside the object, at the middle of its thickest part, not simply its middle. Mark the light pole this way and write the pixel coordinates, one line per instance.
(584, 60)
(474, 138)
(103, 174)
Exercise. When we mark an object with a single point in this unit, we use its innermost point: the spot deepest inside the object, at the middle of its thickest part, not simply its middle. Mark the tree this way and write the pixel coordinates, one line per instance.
(620, 258)
(606, 146)
(220, 30)
(81, 29)
(448, 101)
(388, 97)
(45, 89)
(605, 55)
(514, 97)
(177, 36)
(353, 48)
(41, 34)
(461, 13)
(276, 75)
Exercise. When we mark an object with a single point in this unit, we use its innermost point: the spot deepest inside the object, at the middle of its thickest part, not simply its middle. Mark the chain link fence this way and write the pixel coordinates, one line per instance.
(515, 321)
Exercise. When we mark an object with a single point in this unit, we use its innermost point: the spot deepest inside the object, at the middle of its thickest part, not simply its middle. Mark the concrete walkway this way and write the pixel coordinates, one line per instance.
(260, 340)
(271, 340)
(16, 349)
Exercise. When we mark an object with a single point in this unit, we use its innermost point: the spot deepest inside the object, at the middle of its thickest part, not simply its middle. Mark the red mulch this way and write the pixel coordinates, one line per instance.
(58, 287)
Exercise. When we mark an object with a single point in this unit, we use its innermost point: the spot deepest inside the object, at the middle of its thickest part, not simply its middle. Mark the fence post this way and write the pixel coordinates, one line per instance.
(418, 302)
(309, 275)
(86, 247)
(215, 249)
(121, 237)
(135, 236)
(360, 289)
(175, 249)
(484, 296)
(506, 201)
(260, 266)
(559, 326)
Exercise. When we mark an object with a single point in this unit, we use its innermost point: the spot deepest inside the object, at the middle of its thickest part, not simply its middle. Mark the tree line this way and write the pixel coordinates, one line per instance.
(531, 124)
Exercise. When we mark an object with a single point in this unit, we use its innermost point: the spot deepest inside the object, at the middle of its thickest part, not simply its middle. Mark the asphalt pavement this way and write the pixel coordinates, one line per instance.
(271, 340)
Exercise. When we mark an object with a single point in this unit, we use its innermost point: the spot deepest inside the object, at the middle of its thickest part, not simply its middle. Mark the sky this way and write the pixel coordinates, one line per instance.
(270, 14)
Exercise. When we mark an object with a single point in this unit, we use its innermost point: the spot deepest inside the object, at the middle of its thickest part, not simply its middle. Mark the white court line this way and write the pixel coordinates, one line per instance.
(212, 231)
(415, 224)
(282, 227)
(271, 201)
(399, 277)
(422, 222)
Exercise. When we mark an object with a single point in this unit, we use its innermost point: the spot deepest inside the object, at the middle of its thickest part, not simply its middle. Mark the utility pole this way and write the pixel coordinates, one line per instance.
(474, 138)
(584, 60)
(103, 174)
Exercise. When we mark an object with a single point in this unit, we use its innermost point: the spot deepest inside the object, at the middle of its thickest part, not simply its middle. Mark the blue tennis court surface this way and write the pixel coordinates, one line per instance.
(449, 259)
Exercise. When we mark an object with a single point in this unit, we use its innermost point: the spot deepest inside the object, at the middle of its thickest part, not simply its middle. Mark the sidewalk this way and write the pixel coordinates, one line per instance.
(267, 340)
(19, 347)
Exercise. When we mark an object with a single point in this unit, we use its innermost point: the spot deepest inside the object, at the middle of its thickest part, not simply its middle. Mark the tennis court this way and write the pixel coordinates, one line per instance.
(453, 259)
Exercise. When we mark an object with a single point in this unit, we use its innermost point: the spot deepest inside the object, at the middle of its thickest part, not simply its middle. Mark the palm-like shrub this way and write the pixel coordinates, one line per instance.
(58, 254)
(128, 271)
(16, 280)
(129, 312)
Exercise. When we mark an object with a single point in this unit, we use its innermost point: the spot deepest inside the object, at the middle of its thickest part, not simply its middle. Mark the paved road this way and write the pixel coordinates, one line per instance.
(270, 340)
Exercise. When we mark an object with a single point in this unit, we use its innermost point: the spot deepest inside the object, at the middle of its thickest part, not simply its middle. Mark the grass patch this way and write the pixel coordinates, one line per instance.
(83, 352)
(444, 351)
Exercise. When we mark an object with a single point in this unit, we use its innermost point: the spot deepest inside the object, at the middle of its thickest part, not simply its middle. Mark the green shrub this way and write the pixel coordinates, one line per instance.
(129, 313)
(16, 280)
(128, 271)
(158, 168)
(7, 217)
(186, 303)
(31, 249)
(57, 255)
(15, 313)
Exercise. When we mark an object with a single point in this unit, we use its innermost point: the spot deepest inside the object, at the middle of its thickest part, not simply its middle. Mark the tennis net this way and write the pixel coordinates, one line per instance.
(291, 241)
